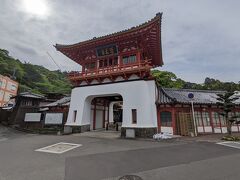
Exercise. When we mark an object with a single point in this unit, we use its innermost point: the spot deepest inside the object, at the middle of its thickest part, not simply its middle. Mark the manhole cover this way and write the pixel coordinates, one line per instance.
(130, 177)
(59, 148)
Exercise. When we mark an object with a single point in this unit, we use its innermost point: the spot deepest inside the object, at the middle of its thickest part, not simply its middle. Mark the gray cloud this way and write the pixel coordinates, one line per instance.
(200, 38)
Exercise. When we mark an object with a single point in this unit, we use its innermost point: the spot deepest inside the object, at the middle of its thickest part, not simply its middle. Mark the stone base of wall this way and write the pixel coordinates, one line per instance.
(76, 129)
(140, 132)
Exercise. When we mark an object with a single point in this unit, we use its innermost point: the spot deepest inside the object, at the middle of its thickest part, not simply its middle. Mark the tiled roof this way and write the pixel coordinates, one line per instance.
(168, 96)
(30, 95)
(132, 29)
(61, 102)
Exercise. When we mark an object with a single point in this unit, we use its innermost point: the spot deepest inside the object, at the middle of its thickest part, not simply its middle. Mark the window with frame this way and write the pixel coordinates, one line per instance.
(125, 60)
(206, 119)
(215, 118)
(166, 118)
(90, 66)
(129, 59)
(74, 115)
(13, 87)
(198, 118)
(134, 116)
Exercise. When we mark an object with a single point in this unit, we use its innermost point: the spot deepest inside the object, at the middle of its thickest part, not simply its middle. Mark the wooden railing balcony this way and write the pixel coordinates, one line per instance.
(117, 70)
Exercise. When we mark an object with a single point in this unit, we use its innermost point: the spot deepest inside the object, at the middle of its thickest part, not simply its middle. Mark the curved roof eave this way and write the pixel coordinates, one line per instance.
(158, 17)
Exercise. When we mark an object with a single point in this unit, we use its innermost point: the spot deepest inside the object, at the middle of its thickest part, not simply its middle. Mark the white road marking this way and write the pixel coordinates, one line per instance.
(59, 148)
(230, 144)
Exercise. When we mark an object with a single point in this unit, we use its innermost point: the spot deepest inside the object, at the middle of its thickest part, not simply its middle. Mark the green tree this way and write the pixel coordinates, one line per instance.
(227, 105)
(167, 79)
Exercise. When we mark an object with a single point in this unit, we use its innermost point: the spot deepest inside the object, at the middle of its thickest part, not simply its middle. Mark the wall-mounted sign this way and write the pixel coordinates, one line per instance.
(32, 117)
(54, 118)
(190, 95)
(107, 50)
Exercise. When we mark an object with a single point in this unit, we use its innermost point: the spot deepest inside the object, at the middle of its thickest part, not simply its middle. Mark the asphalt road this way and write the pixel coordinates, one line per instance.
(111, 158)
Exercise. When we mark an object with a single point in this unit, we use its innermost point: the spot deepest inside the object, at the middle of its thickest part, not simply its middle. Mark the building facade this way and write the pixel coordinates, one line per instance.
(115, 85)
(116, 69)
(175, 112)
(8, 89)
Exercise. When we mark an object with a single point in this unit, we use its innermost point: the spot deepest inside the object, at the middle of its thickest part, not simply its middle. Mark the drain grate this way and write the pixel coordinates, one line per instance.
(59, 148)
(230, 144)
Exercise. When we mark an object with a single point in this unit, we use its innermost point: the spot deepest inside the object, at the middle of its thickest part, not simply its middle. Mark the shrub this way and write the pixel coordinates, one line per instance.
(230, 138)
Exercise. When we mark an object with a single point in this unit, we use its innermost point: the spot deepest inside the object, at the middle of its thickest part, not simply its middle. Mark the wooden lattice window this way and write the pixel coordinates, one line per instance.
(129, 59)
(166, 118)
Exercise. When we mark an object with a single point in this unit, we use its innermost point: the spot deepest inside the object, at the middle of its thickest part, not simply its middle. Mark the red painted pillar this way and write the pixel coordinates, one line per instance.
(138, 57)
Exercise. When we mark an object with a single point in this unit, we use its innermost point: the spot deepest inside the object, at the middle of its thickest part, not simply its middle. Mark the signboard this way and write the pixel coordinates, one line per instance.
(54, 118)
(190, 95)
(32, 117)
(107, 50)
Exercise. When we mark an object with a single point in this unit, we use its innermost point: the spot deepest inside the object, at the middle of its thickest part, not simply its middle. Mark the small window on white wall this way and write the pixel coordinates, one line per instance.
(134, 116)
(74, 115)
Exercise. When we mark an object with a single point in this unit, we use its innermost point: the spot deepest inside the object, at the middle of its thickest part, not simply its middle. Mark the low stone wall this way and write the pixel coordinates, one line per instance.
(76, 129)
(140, 132)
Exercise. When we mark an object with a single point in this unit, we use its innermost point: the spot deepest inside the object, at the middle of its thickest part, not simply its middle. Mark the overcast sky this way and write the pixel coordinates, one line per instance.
(199, 38)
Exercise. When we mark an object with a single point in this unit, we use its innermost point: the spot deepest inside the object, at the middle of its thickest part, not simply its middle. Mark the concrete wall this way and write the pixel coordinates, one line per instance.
(138, 95)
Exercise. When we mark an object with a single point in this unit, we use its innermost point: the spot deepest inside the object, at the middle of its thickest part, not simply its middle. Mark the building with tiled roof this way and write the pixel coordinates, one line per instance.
(175, 106)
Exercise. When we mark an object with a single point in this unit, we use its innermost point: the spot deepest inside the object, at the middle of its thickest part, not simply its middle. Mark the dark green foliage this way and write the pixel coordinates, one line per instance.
(170, 80)
(33, 77)
(167, 79)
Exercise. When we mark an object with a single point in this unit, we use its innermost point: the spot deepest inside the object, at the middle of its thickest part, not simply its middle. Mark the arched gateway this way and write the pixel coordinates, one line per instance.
(113, 66)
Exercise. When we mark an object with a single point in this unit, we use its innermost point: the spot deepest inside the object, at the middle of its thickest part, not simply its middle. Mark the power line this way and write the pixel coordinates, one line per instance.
(53, 60)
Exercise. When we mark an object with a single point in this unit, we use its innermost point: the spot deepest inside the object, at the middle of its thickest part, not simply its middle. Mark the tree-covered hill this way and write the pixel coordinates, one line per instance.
(33, 78)
(170, 80)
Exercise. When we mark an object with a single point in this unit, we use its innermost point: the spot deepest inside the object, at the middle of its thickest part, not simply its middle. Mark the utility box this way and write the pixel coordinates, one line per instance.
(130, 133)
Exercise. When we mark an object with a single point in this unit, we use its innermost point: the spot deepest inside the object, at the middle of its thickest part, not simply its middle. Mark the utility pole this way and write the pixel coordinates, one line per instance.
(191, 96)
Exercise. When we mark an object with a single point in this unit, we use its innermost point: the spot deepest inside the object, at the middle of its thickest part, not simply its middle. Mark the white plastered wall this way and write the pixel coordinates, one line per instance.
(138, 95)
